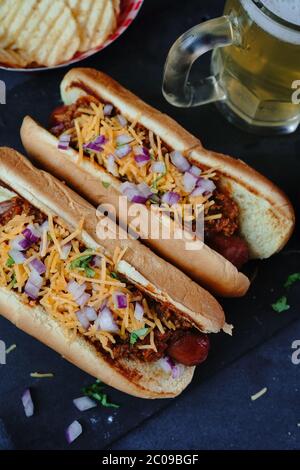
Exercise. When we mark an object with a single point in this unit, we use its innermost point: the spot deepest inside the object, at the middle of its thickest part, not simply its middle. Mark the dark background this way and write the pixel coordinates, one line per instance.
(216, 411)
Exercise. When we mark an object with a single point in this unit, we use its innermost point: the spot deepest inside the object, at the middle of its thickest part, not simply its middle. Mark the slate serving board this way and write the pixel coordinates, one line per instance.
(136, 60)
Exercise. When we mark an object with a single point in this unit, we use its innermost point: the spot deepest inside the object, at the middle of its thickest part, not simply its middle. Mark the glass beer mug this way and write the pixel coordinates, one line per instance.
(255, 65)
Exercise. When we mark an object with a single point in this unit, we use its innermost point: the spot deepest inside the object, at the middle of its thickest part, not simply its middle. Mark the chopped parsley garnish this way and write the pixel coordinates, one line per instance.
(292, 278)
(281, 305)
(114, 275)
(95, 391)
(135, 335)
(106, 184)
(154, 184)
(82, 262)
(13, 280)
(10, 261)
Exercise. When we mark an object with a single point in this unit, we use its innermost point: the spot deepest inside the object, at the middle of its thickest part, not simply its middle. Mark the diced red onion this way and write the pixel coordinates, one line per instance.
(139, 150)
(75, 289)
(123, 151)
(90, 313)
(203, 186)
(31, 290)
(120, 300)
(58, 128)
(164, 364)
(31, 233)
(44, 226)
(82, 318)
(96, 261)
(64, 141)
(83, 299)
(136, 193)
(111, 166)
(93, 147)
(144, 190)
(73, 431)
(96, 144)
(107, 110)
(28, 403)
(170, 198)
(20, 243)
(122, 120)
(177, 371)
(141, 159)
(5, 206)
(195, 170)
(138, 199)
(84, 403)
(158, 167)
(138, 311)
(123, 139)
(65, 250)
(125, 187)
(179, 161)
(169, 366)
(106, 322)
(38, 266)
(189, 181)
(33, 285)
(17, 256)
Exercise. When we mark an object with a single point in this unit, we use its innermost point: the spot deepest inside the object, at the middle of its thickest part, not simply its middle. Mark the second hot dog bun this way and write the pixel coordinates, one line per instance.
(140, 266)
(266, 215)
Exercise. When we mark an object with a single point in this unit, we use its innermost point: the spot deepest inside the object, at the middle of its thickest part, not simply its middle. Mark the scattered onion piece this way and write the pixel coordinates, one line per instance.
(73, 431)
(84, 403)
(28, 403)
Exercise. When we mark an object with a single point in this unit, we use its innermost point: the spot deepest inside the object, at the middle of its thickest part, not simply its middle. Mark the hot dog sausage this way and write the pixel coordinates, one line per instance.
(190, 349)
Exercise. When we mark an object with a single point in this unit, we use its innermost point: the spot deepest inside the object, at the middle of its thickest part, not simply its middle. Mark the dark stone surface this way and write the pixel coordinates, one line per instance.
(215, 411)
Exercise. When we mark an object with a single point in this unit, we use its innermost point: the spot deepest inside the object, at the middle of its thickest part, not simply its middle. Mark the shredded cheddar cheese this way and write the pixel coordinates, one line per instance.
(100, 282)
(90, 123)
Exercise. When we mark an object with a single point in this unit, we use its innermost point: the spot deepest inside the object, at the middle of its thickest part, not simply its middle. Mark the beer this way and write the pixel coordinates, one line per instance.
(258, 75)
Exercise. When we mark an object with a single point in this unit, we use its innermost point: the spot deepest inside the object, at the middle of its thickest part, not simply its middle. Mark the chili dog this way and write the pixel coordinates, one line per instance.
(135, 150)
(112, 307)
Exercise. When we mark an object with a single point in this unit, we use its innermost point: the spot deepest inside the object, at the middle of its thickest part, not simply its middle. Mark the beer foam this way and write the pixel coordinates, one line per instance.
(288, 10)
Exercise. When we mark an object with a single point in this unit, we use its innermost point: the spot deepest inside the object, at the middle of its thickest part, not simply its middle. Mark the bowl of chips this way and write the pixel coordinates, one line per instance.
(45, 34)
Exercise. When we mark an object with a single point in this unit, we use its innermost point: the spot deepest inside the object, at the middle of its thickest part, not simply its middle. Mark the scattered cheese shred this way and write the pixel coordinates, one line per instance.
(10, 349)
(259, 394)
(38, 375)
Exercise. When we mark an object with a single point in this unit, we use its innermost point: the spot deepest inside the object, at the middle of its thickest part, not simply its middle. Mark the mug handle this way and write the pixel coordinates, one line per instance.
(212, 34)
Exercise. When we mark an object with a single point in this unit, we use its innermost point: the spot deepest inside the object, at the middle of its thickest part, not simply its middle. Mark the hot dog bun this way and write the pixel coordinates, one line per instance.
(266, 215)
(140, 266)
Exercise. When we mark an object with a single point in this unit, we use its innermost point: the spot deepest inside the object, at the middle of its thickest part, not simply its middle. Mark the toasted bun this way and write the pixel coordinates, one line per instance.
(140, 266)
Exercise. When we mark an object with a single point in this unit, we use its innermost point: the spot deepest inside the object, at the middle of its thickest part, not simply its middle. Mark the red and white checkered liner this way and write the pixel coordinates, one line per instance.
(129, 11)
